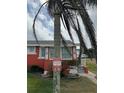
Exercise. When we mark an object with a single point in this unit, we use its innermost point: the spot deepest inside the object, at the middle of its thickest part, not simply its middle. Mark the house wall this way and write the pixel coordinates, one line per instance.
(33, 59)
(45, 63)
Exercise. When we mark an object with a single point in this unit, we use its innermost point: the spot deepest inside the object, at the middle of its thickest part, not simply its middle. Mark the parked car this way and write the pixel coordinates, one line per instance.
(73, 72)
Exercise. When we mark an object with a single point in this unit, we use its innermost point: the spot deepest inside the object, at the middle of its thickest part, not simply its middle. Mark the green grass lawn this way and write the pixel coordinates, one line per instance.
(36, 84)
(92, 67)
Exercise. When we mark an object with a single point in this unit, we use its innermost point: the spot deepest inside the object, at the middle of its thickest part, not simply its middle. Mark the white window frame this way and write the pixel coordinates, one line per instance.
(34, 52)
(40, 50)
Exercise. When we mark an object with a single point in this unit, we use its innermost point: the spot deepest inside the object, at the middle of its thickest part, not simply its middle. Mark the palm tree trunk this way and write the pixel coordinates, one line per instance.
(57, 45)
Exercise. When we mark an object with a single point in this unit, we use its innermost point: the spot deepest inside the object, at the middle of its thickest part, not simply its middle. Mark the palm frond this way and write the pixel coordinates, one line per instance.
(82, 41)
(65, 45)
(67, 24)
(80, 37)
(92, 2)
(88, 26)
(34, 21)
(66, 9)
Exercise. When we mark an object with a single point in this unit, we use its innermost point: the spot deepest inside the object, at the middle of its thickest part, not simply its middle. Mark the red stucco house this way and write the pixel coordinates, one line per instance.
(41, 55)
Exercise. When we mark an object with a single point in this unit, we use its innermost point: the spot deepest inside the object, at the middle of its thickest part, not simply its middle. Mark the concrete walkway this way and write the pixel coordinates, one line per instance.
(90, 76)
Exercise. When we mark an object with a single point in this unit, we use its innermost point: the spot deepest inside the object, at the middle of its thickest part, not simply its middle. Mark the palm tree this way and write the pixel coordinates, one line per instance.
(68, 11)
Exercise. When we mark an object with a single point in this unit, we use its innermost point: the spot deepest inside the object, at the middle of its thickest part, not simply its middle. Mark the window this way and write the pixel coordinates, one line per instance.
(43, 52)
(31, 49)
(52, 52)
(65, 53)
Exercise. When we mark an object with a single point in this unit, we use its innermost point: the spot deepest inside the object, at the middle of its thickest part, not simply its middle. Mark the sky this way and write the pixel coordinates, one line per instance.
(44, 23)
